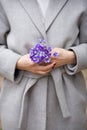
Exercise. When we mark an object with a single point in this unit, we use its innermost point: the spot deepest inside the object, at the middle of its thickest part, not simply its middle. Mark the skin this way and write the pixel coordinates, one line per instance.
(65, 57)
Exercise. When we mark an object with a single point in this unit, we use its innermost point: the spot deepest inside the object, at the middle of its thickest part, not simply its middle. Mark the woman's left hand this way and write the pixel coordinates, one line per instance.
(64, 57)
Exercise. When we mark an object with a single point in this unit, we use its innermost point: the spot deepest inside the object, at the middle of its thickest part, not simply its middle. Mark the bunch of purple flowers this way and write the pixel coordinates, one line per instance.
(41, 53)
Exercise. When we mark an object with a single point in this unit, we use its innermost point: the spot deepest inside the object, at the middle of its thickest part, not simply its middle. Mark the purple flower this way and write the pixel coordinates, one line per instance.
(41, 53)
(55, 54)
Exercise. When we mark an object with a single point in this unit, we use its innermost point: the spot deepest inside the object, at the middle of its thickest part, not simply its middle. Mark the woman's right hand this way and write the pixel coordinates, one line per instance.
(25, 63)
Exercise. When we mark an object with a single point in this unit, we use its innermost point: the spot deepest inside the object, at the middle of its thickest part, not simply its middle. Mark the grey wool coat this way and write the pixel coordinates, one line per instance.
(56, 101)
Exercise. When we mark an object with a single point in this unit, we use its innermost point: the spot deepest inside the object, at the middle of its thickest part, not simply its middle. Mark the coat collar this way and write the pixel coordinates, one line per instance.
(32, 9)
(54, 9)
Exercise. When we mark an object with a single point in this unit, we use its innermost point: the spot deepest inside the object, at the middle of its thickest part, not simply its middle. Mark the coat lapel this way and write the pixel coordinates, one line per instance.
(54, 8)
(32, 9)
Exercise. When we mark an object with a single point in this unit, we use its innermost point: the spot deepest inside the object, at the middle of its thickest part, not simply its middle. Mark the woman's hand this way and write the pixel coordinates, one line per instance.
(65, 57)
(25, 63)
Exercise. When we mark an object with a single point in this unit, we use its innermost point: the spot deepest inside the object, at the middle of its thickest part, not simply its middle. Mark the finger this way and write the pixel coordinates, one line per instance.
(44, 72)
(47, 67)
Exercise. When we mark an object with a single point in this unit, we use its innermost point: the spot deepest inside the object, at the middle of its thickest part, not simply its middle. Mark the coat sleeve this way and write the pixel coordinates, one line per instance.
(81, 49)
(8, 58)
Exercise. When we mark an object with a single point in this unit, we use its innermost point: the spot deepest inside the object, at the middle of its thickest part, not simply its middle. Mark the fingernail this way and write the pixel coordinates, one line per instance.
(53, 66)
